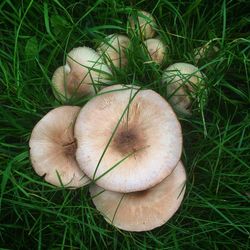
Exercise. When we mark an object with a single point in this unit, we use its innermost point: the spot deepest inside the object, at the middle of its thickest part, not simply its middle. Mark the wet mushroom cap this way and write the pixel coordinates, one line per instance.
(156, 49)
(84, 72)
(143, 23)
(52, 148)
(144, 210)
(183, 83)
(134, 154)
(114, 49)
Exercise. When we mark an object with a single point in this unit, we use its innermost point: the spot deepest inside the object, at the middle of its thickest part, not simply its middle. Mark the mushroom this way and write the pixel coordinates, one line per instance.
(144, 210)
(206, 51)
(184, 83)
(114, 50)
(52, 148)
(156, 49)
(59, 82)
(137, 144)
(83, 73)
(143, 24)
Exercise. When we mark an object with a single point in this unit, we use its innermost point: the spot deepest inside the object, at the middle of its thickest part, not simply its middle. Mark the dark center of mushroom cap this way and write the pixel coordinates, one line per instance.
(69, 148)
(128, 140)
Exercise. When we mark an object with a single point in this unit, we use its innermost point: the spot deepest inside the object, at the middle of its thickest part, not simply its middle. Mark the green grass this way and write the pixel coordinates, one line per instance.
(34, 39)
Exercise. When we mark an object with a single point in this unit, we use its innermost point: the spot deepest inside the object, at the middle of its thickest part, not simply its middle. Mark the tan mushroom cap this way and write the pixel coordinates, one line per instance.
(206, 51)
(145, 210)
(145, 147)
(143, 24)
(59, 82)
(183, 82)
(156, 49)
(83, 72)
(52, 148)
(114, 50)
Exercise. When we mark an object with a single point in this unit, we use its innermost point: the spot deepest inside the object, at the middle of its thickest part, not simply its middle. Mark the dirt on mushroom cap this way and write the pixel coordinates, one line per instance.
(52, 148)
(145, 210)
(145, 147)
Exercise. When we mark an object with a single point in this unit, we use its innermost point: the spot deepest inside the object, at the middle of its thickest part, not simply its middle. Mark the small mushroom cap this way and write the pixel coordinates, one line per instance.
(59, 82)
(184, 82)
(84, 71)
(144, 147)
(144, 210)
(114, 49)
(156, 49)
(143, 24)
(52, 148)
(206, 51)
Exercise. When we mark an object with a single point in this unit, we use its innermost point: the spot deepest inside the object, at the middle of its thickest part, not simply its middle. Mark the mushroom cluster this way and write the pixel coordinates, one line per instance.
(131, 160)
(126, 141)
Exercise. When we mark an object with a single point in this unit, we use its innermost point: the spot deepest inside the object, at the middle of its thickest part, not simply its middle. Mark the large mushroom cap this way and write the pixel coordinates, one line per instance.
(145, 210)
(145, 147)
(114, 49)
(184, 83)
(52, 148)
(84, 72)
(143, 24)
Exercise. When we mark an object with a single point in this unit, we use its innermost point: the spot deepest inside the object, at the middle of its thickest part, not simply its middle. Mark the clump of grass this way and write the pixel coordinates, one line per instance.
(36, 35)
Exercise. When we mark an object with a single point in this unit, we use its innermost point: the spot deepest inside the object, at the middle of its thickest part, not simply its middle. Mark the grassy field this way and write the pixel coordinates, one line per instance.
(34, 39)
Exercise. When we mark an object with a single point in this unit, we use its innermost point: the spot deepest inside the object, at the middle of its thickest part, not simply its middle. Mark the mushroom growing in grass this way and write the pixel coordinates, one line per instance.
(137, 144)
(185, 83)
(144, 210)
(156, 49)
(143, 24)
(83, 74)
(206, 51)
(114, 50)
(52, 148)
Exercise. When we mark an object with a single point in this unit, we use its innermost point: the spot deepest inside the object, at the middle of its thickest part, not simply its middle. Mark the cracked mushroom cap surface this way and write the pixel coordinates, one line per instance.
(114, 50)
(83, 72)
(128, 139)
(52, 148)
(144, 210)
